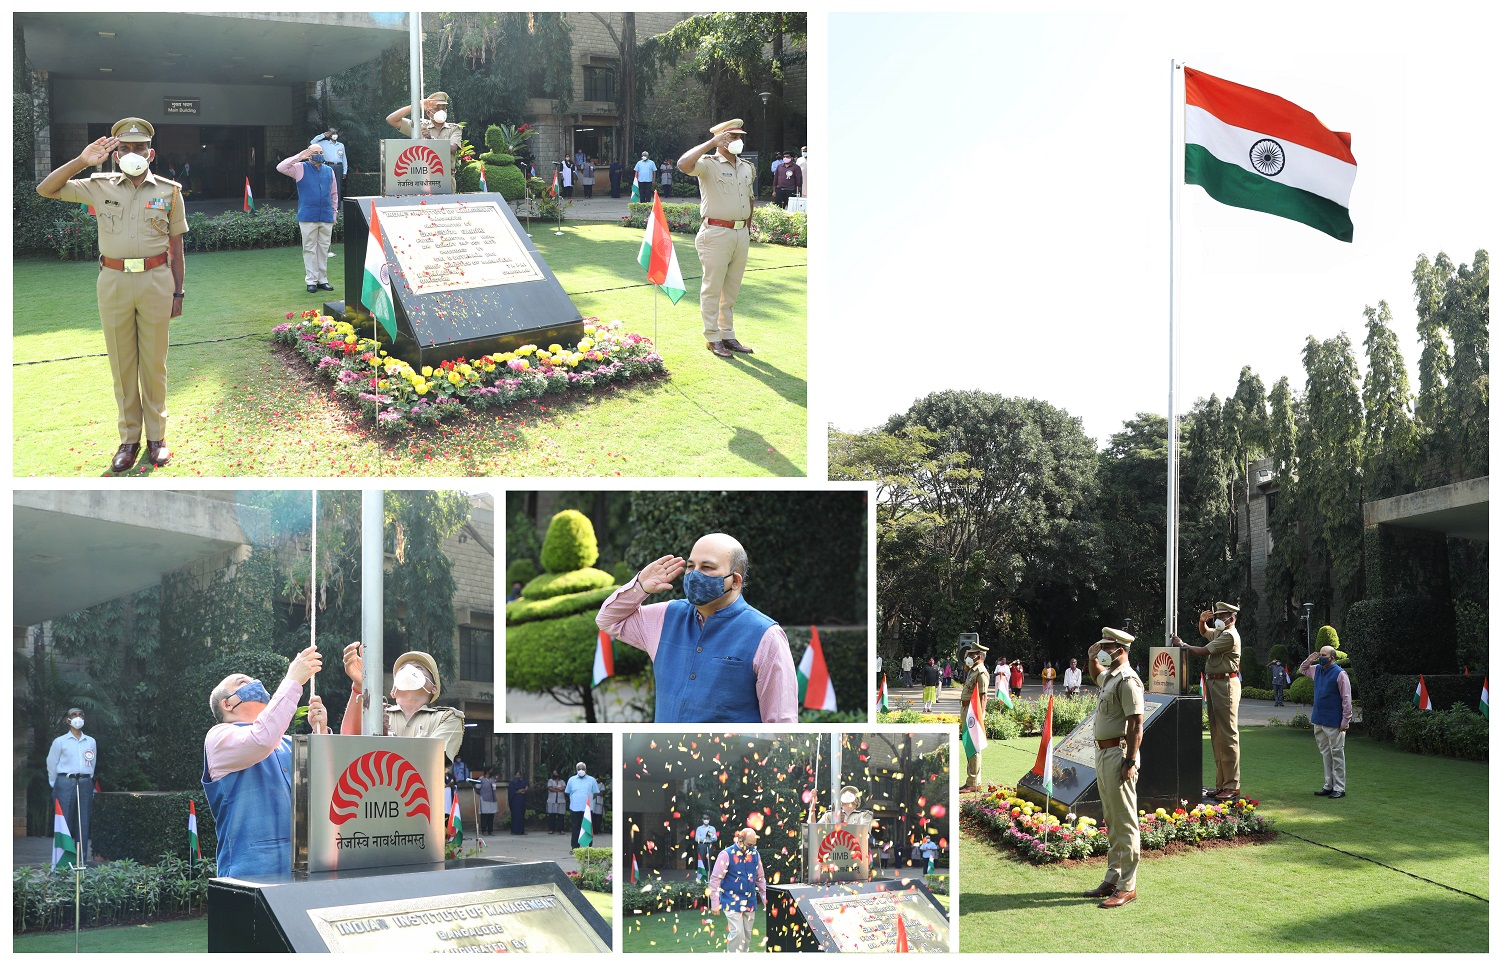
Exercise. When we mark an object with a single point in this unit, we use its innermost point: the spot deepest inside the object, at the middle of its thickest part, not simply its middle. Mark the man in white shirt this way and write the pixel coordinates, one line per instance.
(906, 664)
(1072, 679)
(581, 790)
(705, 836)
(70, 771)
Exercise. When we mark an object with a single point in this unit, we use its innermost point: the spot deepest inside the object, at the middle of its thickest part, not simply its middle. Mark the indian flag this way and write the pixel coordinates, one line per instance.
(635, 869)
(885, 698)
(659, 257)
(195, 853)
(635, 192)
(702, 871)
(1484, 698)
(974, 737)
(249, 197)
(1251, 149)
(586, 832)
(1043, 765)
(456, 822)
(604, 658)
(484, 185)
(64, 853)
(1003, 690)
(376, 293)
(1421, 699)
(814, 687)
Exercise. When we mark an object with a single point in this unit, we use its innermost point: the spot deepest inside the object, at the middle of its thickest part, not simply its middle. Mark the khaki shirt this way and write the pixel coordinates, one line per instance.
(453, 132)
(1223, 652)
(442, 722)
(858, 817)
(979, 677)
(728, 188)
(133, 221)
(1121, 695)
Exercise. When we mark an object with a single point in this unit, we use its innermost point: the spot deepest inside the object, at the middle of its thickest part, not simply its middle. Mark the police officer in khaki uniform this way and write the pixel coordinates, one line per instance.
(1117, 761)
(1223, 679)
(141, 223)
(978, 678)
(415, 686)
(435, 124)
(727, 186)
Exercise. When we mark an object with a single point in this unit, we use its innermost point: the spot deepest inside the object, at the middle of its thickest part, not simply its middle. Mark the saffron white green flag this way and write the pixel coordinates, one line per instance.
(195, 853)
(814, 687)
(659, 256)
(1484, 697)
(64, 853)
(975, 738)
(586, 832)
(1254, 150)
(604, 658)
(376, 293)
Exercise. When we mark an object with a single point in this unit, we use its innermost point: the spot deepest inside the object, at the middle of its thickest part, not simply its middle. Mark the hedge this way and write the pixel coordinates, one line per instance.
(847, 654)
(663, 897)
(554, 584)
(1458, 731)
(118, 892)
(769, 224)
(143, 826)
(1382, 703)
(73, 235)
(1401, 634)
(561, 650)
(525, 610)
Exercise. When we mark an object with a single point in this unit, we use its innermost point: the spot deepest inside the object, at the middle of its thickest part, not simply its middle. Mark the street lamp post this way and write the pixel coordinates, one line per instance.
(1307, 609)
(765, 104)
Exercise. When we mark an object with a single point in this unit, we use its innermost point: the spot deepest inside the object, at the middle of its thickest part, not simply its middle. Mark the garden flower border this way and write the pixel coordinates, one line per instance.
(399, 398)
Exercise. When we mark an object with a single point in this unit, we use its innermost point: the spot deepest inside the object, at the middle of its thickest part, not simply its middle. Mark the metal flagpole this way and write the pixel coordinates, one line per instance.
(77, 863)
(1174, 299)
(414, 27)
(372, 606)
(312, 599)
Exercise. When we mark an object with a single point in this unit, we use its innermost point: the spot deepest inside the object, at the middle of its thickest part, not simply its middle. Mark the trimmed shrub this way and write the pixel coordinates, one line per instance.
(681, 218)
(591, 859)
(521, 570)
(1300, 691)
(570, 543)
(466, 177)
(527, 610)
(772, 225)
(564, 583)
(662, 897)
(561, 652)
(1002, 725)
(143, 826)
(623, 572)
(1382, 703)
(1458, 731)
(503, 176)
(118, 892)
(687, 187)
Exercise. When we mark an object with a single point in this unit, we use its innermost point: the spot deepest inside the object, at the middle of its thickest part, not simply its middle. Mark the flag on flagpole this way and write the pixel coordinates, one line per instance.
(552, 191)
(195, 853)
(604, 658)
(702, 871)
(885, 697)
(659, 255)
(901, 944)
(814, 687)
(975, 738)
(635, 869)
(1002, 692)
(376, 292)
(1254, 150)
(1484, 698)
(586, 832)
(484, 185)
(64, 853)
(249, 197)
(1422, 700)
(456, 822)
(1043, 765)
(635, 192)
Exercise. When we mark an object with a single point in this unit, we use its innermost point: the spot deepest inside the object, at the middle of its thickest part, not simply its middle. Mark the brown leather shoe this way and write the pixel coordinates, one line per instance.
(1119, 899)
(158, 453)
(734, 345)
(1103, 889)
(1224, 795)
(717, 347)
(125, 457)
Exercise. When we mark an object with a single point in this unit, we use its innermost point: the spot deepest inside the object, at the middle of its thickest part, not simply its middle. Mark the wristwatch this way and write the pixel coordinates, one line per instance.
(179, 294)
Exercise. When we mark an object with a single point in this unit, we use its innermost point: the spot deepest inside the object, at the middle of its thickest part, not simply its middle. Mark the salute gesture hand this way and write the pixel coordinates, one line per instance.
(98, 152)
(660, 574)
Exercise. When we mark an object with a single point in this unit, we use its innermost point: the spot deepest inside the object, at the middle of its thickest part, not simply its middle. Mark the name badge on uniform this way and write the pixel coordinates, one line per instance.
(159, 204)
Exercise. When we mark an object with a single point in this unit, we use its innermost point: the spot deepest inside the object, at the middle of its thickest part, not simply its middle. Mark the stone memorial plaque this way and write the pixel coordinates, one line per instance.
(855, 917)
(1079, 747)
(451, 247)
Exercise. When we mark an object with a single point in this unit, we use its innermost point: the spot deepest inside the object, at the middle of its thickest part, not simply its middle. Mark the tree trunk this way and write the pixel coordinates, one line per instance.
(626, 145)
(587, 693)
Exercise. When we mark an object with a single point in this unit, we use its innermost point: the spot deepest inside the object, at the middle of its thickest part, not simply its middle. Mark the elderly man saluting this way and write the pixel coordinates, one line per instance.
(247, 767)
(716, 658)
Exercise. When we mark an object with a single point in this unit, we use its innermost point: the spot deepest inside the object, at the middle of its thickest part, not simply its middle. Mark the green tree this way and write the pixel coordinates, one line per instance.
(1286, 561)
(1430, 281)
(1466, 307)
(1390, 434)
(1330, 476)
(1132, 511)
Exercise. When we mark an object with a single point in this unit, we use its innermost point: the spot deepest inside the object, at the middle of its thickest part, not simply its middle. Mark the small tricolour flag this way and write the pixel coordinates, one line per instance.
(586, 832)
(1254, 150)
(885, 697)
(456, 823)
(376, 292)
(659, 255)
(64, 853)
(635, 192)
(1421, 699)
(702, 871)
(604, 658)
(975, 738)
(1484, 698)
(552, 191)
(249, 196)
(194, 852)
(1043, 765)
(814, 687)
(635, 869)
(1002, 692)
(484, 185)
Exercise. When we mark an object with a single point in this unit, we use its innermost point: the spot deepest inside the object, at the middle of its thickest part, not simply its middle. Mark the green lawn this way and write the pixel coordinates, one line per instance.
(1421, 815)
(691, 932)
(183, 936)
(235, 409)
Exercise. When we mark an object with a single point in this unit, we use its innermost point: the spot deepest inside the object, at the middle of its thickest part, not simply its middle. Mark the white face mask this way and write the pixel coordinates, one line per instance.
(134, 165)
(804, 153)
(1106, 658)
(76, 722)
(1218, 624)
(410, 678)
(335, 137)
(440, 117)
(735, 146)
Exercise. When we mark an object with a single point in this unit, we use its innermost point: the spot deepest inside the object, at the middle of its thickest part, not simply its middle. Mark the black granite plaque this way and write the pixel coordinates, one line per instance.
(466, 279)
(472, 906)
(1171, 762)
(854, 917)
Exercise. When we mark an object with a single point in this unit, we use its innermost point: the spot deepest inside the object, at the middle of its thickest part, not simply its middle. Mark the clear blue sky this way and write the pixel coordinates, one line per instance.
(997, 218)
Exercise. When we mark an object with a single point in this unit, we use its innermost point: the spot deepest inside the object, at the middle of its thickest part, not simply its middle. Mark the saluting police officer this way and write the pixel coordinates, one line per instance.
(141, 223)
(978, 678)
(1117, 761)
(435, 124)
(1223, 695)
(727, 186)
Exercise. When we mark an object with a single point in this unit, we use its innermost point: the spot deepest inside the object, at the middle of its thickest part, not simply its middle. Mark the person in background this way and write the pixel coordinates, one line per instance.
(1332, 712)
(489, 804)
(1279, 680)
(907, 663)
(1017, 677)
(1072, 679)
(930, 679)
(616, 173)
(645, 176)
(1049, 675)
(567, 179)
(71, 764)
(515, 794)
(557, 802)
(586, 176)
(665, 177)
(581, 790)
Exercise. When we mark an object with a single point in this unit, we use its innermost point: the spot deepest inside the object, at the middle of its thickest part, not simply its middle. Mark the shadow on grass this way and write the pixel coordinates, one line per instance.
(1371, 928)
(751, 446)
(790, 388)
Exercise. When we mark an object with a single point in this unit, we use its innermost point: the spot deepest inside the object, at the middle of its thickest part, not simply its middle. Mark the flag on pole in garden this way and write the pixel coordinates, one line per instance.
(975, 738)
(1484, 698)
(635, 192)
(814, 687)
(456, 822)
(64, 853)
(1043, 765)
(659, 255)
(484, 185)
(635, 869)
(249, 196)
(702, 871)
(1254, 150)
(376, 292)
(552, 191)
(1421, 699)
(604, 658)
(885, 698)
(586, 832)
(1203, 687)
(901, 944)
(1002, 692)
(195, 853)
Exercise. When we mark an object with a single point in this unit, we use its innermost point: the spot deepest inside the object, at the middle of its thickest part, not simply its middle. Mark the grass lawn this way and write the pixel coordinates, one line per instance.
(236, 409)
(1290, 896)
(691, 932)
(182, 936)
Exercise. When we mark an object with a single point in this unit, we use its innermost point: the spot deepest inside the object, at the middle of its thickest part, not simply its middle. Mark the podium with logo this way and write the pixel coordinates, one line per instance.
(368, 873)
(837, 852)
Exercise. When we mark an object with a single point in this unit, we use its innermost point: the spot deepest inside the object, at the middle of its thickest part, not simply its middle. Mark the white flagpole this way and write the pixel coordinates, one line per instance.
(1174, 299)
(312, 597)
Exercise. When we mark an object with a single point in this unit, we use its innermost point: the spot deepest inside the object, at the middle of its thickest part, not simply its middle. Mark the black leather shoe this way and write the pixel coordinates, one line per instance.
(312, 289)
(734, 345)
(325, 286)
(717, 347)
(158, 453)
(125, 457)
(1323, 792)
(1102, 890)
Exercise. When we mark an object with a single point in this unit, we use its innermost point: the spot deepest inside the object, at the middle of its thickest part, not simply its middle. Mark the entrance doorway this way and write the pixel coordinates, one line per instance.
(595, 142)
(216, 159)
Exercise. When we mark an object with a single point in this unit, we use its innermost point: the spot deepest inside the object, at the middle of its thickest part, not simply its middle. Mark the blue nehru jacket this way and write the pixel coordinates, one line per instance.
(1328, 704)
(737, 891)
(707, 673)
(253, 815)
(315, 193)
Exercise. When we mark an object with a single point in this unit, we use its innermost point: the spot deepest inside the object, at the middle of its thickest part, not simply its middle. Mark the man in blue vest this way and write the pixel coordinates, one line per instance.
(247, 767)
(738, 878)
(716, 658)
(1332, 711)
(317, 205)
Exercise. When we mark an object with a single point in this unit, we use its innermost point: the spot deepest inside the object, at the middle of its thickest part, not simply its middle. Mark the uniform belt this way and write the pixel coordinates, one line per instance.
(134, 265)
(716, 222)
(1222, 675)
(1107, 743)
(76, 775)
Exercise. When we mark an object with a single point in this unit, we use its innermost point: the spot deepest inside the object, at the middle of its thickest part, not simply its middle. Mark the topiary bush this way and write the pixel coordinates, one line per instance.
(524, 610)
(1300, 691)
(521, 570)
(565, 583)
(570, 543)
(466, 177)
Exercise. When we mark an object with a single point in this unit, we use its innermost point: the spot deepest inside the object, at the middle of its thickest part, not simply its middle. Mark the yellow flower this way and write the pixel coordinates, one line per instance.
(573, 361)
(422, 388)
(554, 348)
(585, 344)
(427, 371)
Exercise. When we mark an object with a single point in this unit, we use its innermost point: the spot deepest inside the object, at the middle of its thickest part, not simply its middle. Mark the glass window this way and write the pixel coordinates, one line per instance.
(476, 654)
(598, 83)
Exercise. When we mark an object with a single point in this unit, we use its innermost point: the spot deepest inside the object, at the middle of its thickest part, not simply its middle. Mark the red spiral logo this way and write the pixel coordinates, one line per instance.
(1164, 665)
(379, 768)
(837, 840)
(419, 156)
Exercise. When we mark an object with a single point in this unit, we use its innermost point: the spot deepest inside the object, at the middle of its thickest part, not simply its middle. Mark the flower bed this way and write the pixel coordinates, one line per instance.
(1039, 837)
(400, 398)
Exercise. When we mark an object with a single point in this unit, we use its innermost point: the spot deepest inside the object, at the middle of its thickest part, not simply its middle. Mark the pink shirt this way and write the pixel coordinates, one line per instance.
(716, 879)
(1309, 668)
(292, 168)
(625, 618)
(231, 748)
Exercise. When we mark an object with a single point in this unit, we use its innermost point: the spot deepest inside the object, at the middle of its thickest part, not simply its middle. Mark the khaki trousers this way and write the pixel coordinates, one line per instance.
(723, 252)
(317, 237)
(1121, 816)
(1331, 745)
(134, 311)
(1224, 731)
(974, 769)
(741, 923)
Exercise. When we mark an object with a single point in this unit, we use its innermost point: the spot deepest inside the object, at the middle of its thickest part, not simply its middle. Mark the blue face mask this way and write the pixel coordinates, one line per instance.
(251, 691)
(702, 589)
(1323, 660)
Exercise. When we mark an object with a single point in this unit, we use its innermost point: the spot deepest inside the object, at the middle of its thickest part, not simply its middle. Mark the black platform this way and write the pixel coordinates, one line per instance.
(854, 917)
